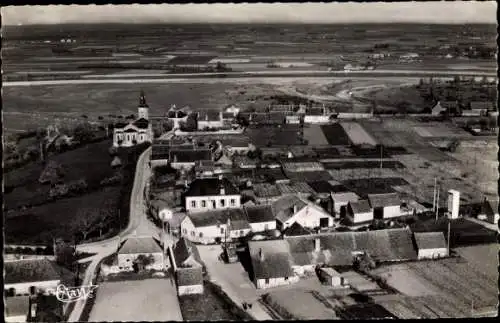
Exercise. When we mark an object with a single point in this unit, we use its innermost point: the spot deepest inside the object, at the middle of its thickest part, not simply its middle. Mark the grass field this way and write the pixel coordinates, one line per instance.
(270, 136)
(357, 134)
(314, 135)
(136, 300)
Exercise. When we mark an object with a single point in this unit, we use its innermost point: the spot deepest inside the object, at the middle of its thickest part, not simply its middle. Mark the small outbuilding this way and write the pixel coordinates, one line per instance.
(331, 277)
(431, 245)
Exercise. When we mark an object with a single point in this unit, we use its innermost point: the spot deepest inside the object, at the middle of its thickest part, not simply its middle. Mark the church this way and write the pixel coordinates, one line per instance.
(136, 132)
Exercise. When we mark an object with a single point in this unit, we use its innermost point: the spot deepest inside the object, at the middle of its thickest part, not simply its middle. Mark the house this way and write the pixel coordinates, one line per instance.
(34, 276)
(136, 247)
(232, 109)
(340, 201)
(431, 245)
(385, 206)
(438, 109)
(210, 119)
(489, 211)
(271, 264)
(188, 268)
(290, 209)
(205, 194)
(331, 277)
(315, 115)
(136, 132)
(359, 212)
(215, 226)
(186, 158)
(292, 119)
(260, 218)
(176, 116)
(17, 309)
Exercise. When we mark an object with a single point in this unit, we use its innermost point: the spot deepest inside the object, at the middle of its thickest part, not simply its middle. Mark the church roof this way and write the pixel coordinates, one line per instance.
(141, 123)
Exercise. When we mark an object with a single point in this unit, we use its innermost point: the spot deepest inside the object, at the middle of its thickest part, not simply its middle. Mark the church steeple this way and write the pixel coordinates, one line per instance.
(143, 109)
(142, 100)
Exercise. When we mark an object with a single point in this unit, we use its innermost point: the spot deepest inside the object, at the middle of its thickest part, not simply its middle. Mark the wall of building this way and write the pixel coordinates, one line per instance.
(208, 202)
(126, 261)
(159, 162)
(317, 119)
(208, 234)
(309, 217)
(338, 204)
(202, 124)
(263, 226)
(275, 282)
(360, 217)
(432, 253)
(45, 287)
(392, 212)
(128, 138)
(239, 233)
(185, 166)
(18, 318)
(190, 290)
(349, 115)
(303, 270)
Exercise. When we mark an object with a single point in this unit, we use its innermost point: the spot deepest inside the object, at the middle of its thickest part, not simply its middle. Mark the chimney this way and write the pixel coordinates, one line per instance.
(295, 209)
(261, 255)
(317, 246)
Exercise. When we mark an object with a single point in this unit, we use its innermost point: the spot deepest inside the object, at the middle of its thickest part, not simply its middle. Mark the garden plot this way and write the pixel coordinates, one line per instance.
(358, 173)
(357, 134)
(314, 135)
(440, 130)
(335, 134)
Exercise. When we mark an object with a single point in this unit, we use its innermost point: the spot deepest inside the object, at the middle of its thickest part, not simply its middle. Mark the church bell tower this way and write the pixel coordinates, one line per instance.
(143, 110)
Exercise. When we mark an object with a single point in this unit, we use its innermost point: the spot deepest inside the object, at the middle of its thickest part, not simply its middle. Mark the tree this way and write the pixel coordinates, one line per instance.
(83, 133)
(52, 173)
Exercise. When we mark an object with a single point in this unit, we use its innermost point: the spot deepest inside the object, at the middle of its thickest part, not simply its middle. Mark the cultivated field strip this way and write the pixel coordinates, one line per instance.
(357, 134)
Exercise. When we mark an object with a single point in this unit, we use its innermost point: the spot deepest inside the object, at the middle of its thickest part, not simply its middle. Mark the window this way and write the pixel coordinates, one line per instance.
(222, 203)
(193, 203)
(184, 231)
(266, 227)
(221, 230)
(233, 202)
(267, 281)
(286, 278)
(241, 232)
(201, 234)
(192, 233)
(203, 203)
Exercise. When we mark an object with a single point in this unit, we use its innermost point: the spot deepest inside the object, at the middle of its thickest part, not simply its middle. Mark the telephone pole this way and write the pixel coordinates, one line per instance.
(437, 203)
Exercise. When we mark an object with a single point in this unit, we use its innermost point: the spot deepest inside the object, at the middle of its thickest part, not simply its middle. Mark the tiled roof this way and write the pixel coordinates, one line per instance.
(320, 186)
(210, 186)
(209, 115)
(383, 200)
(183, 249)
(266, 190)
(35, 270)
(141, 123)
(187, 156)
(283, 208)
(140, 245)
(345, 197)
(17, 306)
(259, 213)
(276, 262)
(430, 240)
(294, 188)
(360, 206)
(190, 276)
(210, 218)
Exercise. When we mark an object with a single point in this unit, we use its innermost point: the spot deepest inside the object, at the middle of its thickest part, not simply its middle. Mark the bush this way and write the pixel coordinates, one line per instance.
(52, 173)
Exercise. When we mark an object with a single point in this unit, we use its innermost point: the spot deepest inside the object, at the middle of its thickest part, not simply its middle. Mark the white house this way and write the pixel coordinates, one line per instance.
(359, 212)
(233, 110)
(292, 119)
(331, 277)
(271, 264)
(33, 276)
(136, 132)
(215, 226)
(315, 115)
(210, 119)
(431, 245)
(385, 206)
(340, 201)
(188, 268)
(290, 209)
(206, 194)
(134, 247)
(260, 218)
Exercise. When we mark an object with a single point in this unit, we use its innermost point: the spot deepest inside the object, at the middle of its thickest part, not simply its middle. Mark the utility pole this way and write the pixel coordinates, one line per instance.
(437, 203)
(449, 230)
(434, 196)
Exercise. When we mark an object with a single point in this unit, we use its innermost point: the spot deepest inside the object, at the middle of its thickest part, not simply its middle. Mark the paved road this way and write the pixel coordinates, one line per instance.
(138, 225)
(233, 280)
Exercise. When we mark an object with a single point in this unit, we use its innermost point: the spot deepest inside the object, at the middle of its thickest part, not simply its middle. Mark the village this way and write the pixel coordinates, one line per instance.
(292, 198)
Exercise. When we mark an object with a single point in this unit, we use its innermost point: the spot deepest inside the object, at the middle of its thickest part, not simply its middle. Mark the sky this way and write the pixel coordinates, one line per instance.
(455, 12)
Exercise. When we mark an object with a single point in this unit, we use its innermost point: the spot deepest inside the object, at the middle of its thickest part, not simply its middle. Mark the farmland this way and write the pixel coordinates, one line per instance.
(335, 134)
(264, 136)
(357, 134)
(374, 185)
(314, 135)
(437, 288)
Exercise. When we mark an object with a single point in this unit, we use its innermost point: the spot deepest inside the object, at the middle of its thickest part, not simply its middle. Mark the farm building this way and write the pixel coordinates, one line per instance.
(430, 245)
(271, 264)
(340, 201)
(331, 277)
(385, 206)
(260, 218)
(489, 211)
(453, 204)
(205, 194)
(210, 119)
(290, 166)
(290, 209)
(136, 247)
(299, 188)
(293, 119)
(315, 115)
(186, 158)
(215, 226)
(359, 212)
(136, 132)
(29, 277)
(188, 268)
(17, 309)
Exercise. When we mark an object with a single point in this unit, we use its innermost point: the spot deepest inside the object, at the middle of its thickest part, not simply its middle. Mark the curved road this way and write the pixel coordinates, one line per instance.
(138, 225)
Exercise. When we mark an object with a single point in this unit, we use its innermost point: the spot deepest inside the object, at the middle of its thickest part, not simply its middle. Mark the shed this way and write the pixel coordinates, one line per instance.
(331, 277)
(431, 245)
(385, 206)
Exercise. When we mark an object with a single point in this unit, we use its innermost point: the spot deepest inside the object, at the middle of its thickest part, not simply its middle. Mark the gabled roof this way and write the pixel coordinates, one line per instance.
(210, 186)
(211, 218)
(34, 270)
(345, 197)
(135, 245)
(17, 306)
(209, 115)
(259, 213)
(360, 207)
(141, 123)
(283, 207)
(384, 200)
(184, 249)
(489, 208)
(276, 260)
(430, 240)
